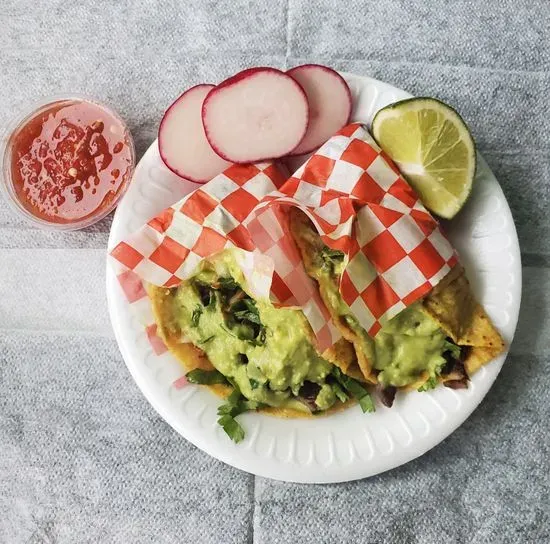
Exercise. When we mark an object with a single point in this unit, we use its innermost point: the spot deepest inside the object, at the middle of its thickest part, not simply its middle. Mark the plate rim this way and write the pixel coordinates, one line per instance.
(229, 454)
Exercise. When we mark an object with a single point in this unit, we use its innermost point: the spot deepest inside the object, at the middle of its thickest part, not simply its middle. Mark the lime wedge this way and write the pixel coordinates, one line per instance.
(432, 147)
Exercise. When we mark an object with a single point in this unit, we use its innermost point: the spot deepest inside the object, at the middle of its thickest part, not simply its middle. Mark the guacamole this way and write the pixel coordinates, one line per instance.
(407, 348)
(266, 352)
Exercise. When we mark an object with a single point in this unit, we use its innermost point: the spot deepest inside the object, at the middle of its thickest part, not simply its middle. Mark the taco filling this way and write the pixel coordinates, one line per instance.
(441, 338)
(265, 356)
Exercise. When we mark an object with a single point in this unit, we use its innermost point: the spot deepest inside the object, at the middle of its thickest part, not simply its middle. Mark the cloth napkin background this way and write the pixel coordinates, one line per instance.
(84, 458)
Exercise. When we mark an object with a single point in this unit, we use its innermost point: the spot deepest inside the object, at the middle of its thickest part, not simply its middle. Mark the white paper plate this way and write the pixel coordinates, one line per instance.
(348, 445)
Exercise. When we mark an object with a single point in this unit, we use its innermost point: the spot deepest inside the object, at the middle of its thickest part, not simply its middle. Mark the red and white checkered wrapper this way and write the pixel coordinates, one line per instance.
(359, 204)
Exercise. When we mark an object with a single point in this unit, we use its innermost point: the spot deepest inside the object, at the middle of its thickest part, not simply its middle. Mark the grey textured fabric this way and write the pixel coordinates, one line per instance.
(84, 458)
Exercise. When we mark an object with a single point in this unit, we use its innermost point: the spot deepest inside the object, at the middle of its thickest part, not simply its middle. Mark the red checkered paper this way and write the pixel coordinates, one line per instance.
(356, 199)
(361, 205)
(169, 247)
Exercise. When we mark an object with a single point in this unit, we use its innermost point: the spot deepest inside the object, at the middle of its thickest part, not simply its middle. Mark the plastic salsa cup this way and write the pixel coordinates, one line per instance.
(67, 163)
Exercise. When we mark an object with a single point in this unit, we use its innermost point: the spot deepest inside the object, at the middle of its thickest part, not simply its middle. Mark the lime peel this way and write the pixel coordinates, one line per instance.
(432, 147)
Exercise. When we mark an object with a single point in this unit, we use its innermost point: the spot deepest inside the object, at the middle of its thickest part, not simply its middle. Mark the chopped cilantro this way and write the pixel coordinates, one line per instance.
(331, 259)
(196, 316)
(242, 319)
(205, 292)
(225, 409)
(355, 389)
(341, 395)
(228, 284)
(234, 405)
(332, 254)
(366, 404)
(453, 349)
(260, 338)
(232, 428)
(205, 377)
(245, 310)
(246, 315)
(230, 402)
(428, 384)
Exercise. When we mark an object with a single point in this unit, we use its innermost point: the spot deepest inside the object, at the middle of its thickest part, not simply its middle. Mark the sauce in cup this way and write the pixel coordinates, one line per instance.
(67, 163)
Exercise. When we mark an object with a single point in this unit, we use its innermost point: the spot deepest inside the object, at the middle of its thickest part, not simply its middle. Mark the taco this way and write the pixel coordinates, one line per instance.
(256, 355)
(445, 337)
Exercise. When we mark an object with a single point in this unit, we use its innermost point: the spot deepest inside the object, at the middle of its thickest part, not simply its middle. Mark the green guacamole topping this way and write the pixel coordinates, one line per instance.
(408, 345)
(265, 351)
(325, 398)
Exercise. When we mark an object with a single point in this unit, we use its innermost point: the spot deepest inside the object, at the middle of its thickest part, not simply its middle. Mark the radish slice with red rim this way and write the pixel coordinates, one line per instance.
(258, 114)
(183, 146)
(330, 104)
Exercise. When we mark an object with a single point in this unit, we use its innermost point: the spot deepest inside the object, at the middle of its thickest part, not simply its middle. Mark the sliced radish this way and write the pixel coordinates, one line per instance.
(182, 143)
(329, 100)
(258, 114)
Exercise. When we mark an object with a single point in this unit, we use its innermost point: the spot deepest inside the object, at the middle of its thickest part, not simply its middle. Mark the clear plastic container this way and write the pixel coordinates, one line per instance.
(25, 180)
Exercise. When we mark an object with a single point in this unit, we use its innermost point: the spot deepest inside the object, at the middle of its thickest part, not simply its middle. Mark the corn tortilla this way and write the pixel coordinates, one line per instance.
(451, 304)
(191, 357)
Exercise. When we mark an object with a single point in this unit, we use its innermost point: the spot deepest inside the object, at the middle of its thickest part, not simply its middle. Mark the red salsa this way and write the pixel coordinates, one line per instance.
(70, 161)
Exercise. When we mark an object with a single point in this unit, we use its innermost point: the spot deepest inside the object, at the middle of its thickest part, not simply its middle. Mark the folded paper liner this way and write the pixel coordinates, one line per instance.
(358, 202)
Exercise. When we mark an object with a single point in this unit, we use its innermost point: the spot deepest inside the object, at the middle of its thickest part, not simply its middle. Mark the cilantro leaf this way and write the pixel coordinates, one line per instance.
(224, 409)
(356, 390)
(453, 349)
(353, 386)
(205, 292)
(250, 305)
(246, 333)
(260, 338)
(331, 259)
(228, 284)
(341, 395)
(428, 384)
(234, 405)
(232, 428)
(366, 404)
(245, 315)
(234, 397)
(231, 402)
(196, 316)
(205, 377)
(243, 318)
(246, 310)
(328, 253)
